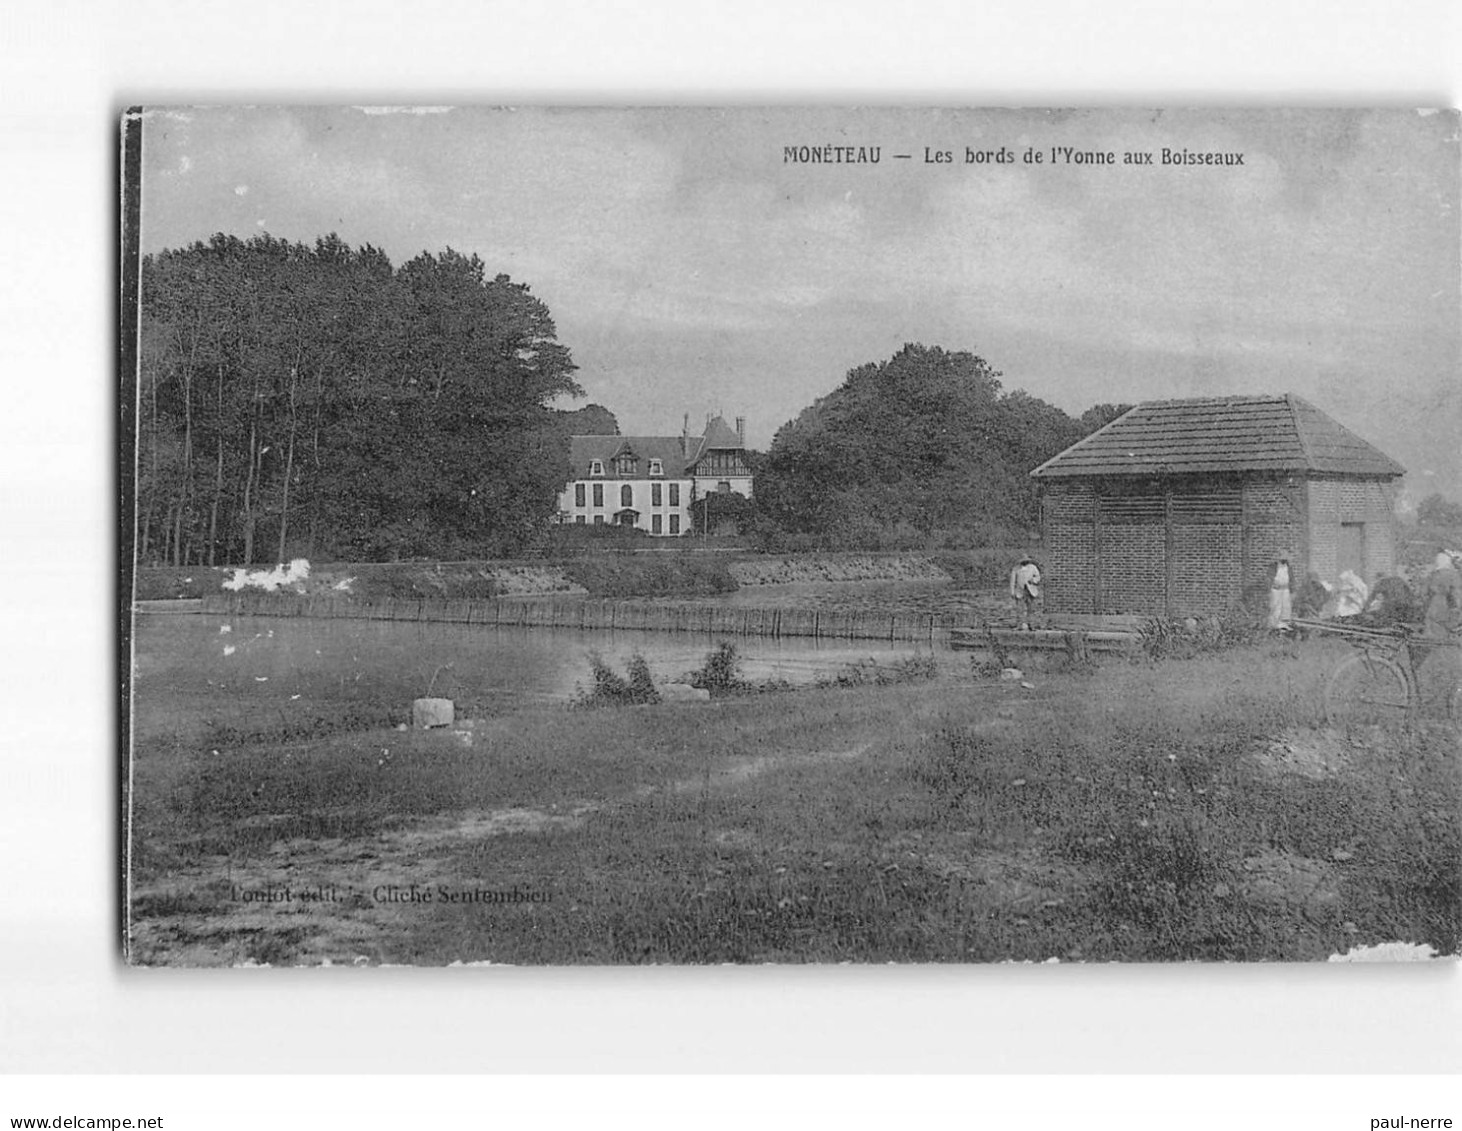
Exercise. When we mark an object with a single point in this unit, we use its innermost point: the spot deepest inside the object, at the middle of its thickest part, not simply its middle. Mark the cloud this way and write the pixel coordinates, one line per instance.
(680, 255)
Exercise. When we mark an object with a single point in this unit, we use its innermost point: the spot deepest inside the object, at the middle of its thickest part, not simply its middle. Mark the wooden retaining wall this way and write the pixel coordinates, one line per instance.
(1076, 641)
(639, 616)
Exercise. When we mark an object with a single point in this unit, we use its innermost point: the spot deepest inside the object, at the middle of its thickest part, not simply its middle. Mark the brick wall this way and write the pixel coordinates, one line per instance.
(1211, 568)
(1324, 528)
(1216, 560)
(1274, 510)
(1381, 533)
(1069, 502)
(1069, 568)
(1336, 501)
(1272, 500)
(1134, 568)
(1206, 572)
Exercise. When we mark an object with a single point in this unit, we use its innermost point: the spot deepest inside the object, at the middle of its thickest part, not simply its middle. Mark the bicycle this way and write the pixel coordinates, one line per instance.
(1387, 682)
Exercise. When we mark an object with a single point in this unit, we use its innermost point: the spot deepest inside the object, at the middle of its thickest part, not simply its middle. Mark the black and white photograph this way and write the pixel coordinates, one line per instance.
(607, 536)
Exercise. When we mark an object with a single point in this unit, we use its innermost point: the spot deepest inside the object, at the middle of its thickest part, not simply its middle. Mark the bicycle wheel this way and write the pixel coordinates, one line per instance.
(1367, 691)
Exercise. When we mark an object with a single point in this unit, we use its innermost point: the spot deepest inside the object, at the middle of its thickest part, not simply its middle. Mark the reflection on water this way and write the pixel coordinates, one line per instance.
(264, 661)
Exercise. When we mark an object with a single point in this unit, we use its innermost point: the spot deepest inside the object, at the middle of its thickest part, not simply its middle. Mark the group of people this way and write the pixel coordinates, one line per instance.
(1391, 599)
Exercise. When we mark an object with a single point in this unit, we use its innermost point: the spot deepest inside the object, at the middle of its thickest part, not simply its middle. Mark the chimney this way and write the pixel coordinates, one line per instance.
(685, 437)
(741, 430)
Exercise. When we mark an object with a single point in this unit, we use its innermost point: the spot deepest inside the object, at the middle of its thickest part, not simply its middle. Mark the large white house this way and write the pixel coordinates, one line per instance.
(653, 482)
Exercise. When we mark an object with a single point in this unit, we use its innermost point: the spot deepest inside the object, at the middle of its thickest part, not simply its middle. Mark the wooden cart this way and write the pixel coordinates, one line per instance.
(1394, 676)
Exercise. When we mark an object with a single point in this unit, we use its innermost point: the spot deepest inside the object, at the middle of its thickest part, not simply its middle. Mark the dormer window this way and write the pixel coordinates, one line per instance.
(624, 465)
(596, 467)
(656, 467)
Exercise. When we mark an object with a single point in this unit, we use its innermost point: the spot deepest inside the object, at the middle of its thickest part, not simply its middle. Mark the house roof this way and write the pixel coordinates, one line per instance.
(719, 434)
(585, 449)
(1210, 434)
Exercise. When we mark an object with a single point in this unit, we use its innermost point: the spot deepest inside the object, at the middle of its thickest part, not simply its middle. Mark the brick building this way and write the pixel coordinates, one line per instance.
(1182, 507)
(653, 482)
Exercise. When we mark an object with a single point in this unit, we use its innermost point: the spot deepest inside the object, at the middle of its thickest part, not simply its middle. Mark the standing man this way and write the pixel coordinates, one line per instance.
(1280, 609)
(1025, 588)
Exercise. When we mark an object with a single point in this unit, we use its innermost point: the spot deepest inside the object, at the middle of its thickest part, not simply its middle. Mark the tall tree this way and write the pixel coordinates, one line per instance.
(316, 398)
(925, 443)
(591, 420)
(487, 366)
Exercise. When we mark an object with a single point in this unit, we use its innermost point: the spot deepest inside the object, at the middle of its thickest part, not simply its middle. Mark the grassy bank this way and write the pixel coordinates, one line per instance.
(603, 574)
(1180, 810)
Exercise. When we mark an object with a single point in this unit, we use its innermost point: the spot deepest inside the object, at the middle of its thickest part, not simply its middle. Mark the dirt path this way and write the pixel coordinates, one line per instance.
(345, 895)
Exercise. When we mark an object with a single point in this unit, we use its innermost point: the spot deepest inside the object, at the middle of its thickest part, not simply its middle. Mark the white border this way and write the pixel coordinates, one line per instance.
(65, 1004)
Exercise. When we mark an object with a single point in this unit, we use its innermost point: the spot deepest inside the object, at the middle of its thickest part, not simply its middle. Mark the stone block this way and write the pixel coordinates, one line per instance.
(429, 713)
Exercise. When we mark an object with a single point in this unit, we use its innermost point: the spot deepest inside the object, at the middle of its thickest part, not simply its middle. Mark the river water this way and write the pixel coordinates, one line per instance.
(274, 661)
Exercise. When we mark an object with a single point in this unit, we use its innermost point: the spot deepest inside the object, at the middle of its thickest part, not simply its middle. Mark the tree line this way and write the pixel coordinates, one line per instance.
(319, 401)
(926, 448)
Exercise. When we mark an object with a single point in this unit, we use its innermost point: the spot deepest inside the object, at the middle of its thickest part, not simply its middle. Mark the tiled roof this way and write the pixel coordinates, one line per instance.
(1209, 434)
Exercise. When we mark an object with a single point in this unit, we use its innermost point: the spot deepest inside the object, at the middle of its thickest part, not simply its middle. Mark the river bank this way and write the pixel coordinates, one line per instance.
(680, 573)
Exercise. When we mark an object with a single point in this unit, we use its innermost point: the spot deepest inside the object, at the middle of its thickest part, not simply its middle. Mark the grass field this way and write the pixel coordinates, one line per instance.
(1174, 810)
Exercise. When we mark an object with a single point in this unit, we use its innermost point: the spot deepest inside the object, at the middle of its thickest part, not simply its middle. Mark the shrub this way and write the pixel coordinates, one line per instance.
(614, 690)
(641, 684)
(721, 674)
(1164, 639)
(722, 512)
(993, 659)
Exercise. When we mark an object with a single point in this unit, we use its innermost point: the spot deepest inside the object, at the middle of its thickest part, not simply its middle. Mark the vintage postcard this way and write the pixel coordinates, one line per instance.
(790, 535)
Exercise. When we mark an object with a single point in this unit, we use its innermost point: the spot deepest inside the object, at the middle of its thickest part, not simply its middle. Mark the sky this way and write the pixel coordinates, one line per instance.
(692, 265)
